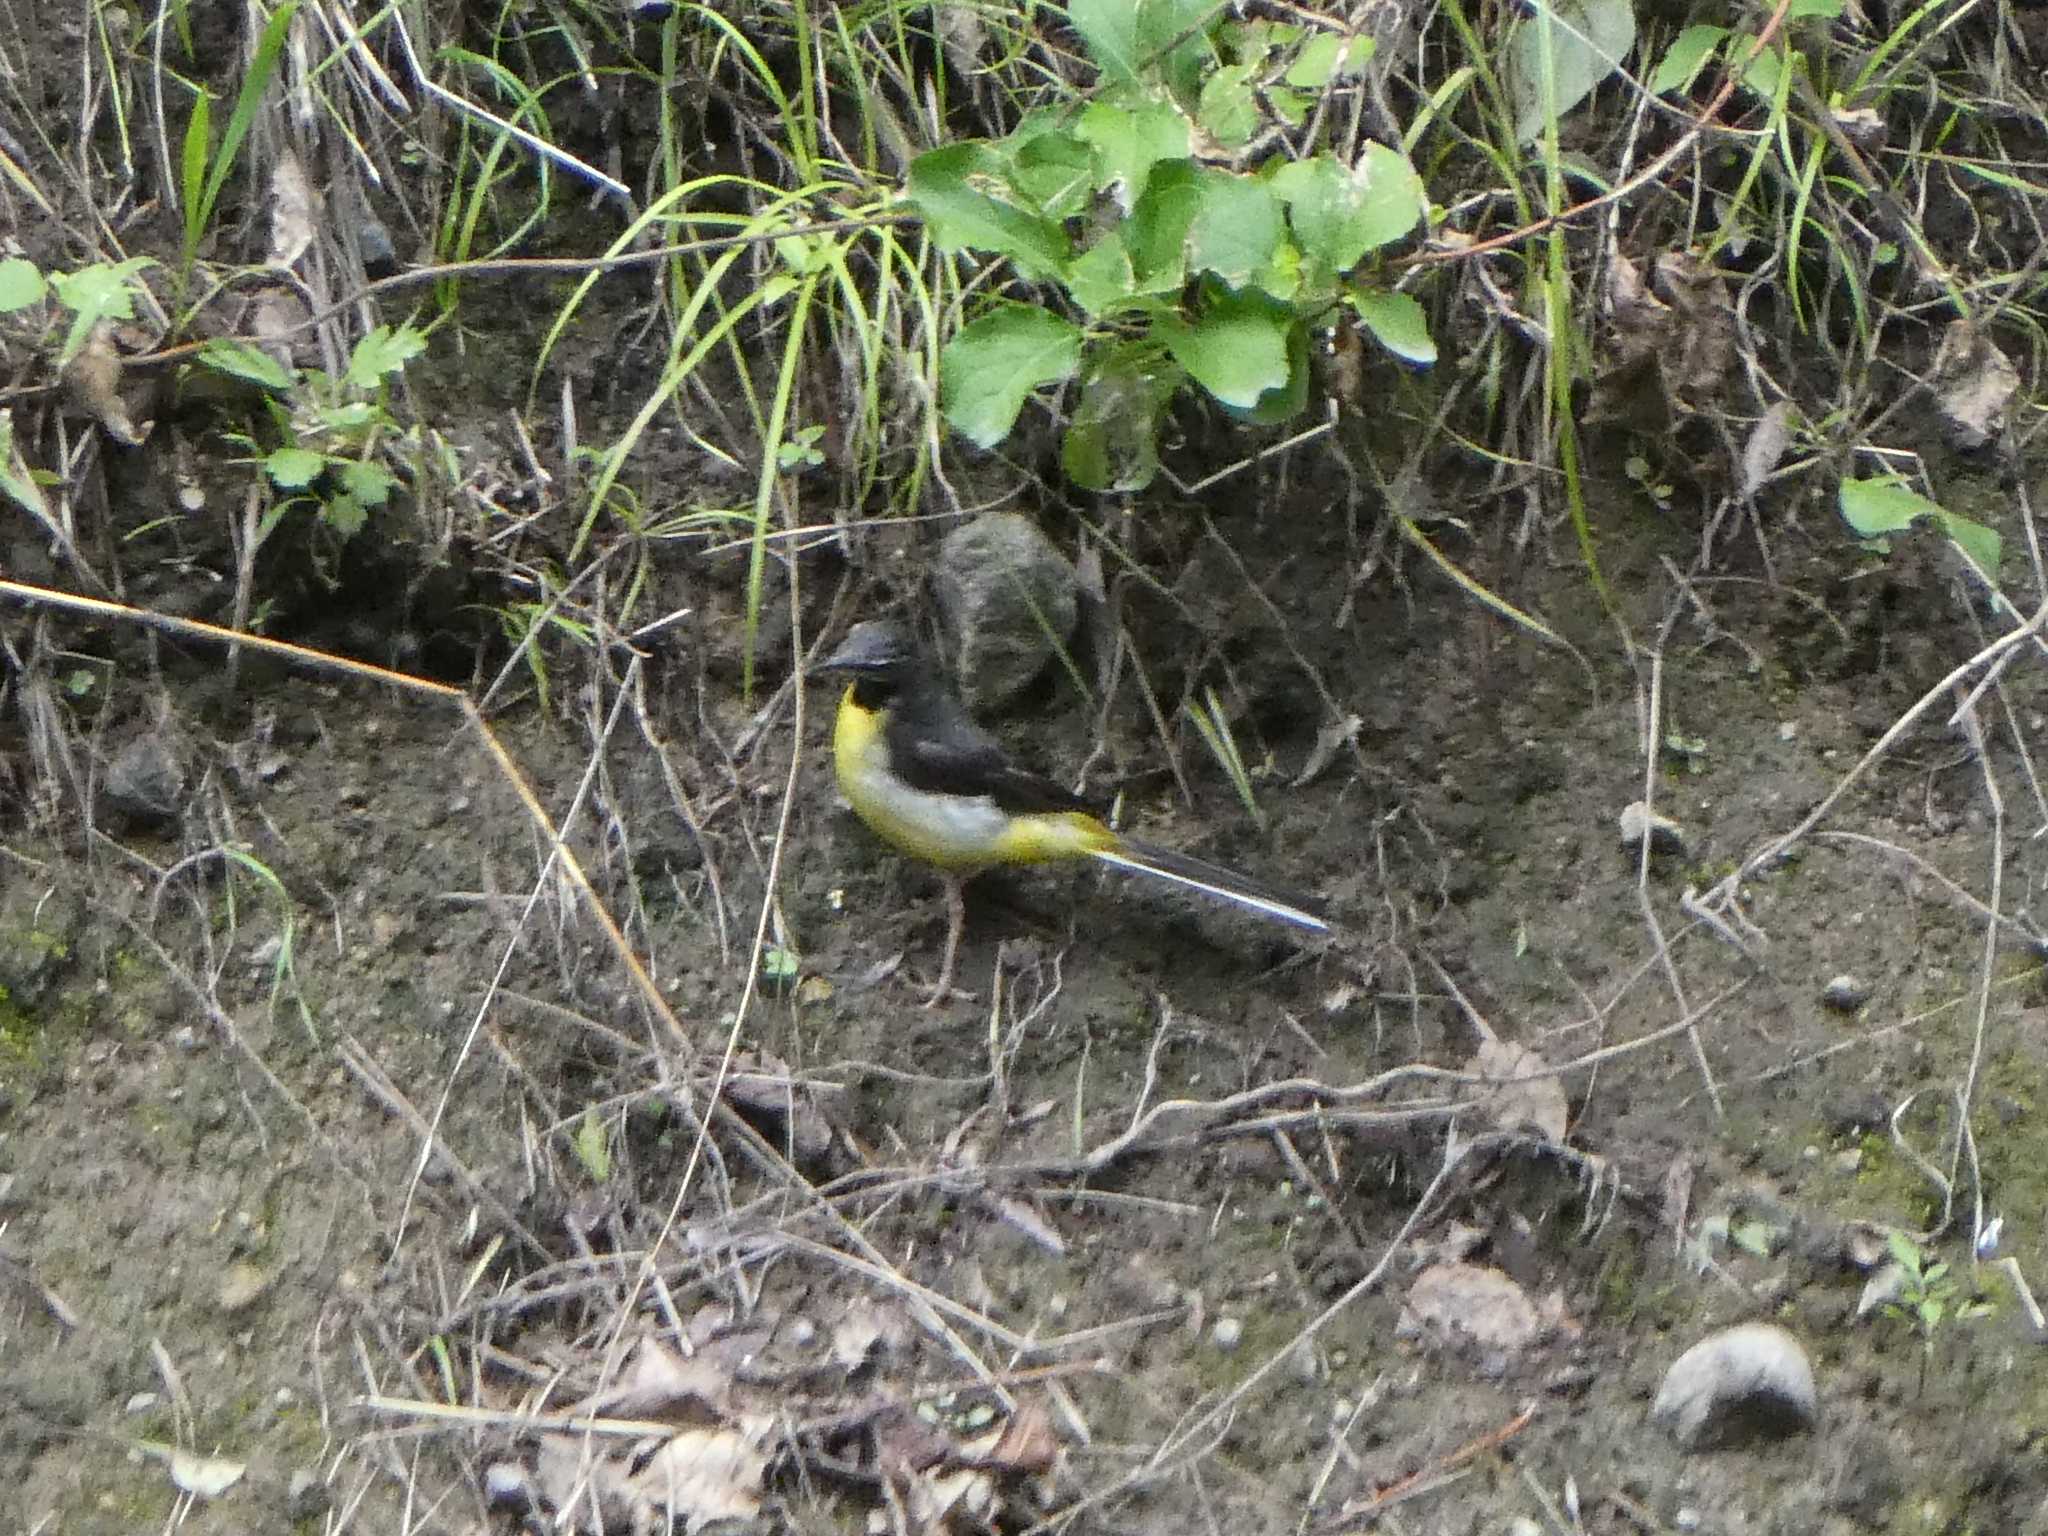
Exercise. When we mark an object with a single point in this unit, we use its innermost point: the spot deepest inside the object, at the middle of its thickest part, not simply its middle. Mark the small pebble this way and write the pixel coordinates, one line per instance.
(506, 1486)
(1227, 1333)
(141, 1402)
(1686, 1518)
(305, 1496)
(1638, 821)
(1845, 993)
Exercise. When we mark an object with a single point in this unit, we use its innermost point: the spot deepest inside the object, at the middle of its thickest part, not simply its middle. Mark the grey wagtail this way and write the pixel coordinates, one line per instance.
(919, 771)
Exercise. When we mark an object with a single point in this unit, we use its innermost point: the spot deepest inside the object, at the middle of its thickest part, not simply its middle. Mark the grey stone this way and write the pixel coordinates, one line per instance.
(1011, 599)
(1743, 1383)
(1845, 993)
(1637, 821)
(145, 782)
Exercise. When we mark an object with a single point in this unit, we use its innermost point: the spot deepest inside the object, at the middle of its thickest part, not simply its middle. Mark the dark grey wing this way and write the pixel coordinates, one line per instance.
(937, 747)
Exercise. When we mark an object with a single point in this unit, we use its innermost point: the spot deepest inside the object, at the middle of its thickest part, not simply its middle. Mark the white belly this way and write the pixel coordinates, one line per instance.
(953, 831)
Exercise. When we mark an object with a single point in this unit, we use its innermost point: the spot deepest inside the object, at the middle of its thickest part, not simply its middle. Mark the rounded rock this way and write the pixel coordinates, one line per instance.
(1744, 1383)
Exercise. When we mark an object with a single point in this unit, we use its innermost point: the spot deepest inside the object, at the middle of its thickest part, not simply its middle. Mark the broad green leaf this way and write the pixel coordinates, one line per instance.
(1157, 236)
(1766, 73)
(1056, 174)
(104, 291)
(1236, 348)
(1285, 402)
(1281, 276)
(1397, 323)
(1827, 10)
(1339, 214)
(1326, 206)
(965, 193)
(345, 515)
(1291, 107)
(1394, 198)
(1229, 112)
(240, 360)
(382, 351)
(1127, 38)
(1112, 441)
(1101, 279)
(991, 367)
(1129, 141)
(1326, 57)
(294, 468)
(1883, 505)
(1981, 544)
(21, 284)
(1237, 227)
(370, 484)
(1686, 57)
(1559, 52)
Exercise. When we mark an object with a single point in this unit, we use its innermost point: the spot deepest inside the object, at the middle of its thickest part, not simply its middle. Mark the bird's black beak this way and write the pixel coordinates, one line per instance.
(873, 646)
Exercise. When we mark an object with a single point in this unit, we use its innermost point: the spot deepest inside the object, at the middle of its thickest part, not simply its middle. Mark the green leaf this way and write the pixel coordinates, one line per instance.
(1326, 57)
(1288, 400)
(240, 360)
(1125, 38)
(1981, 544)
(1882, 505)
(990, 368)
(967, 197)
(1397, 323)
(1112, 440)
(1686, 57)
(1101, 279)
(1291, 107)
(1236, 229)
(383, 351)
(1885, 505)
(192, 157)
(1765, 73)
(593, 1148)
(21, 284)
(103, 291)
(1236, 348)
(1800, 10)
(370, 484)
(294, 468)
(1157, 236)
(1229, 112)
(17, 480)
(1129, 141)
(1056, 173)
(1340, 213)
(345, 515)
(1560, 52)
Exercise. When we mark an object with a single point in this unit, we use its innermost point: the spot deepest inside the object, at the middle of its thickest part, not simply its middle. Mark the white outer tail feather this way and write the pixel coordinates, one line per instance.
(1212, 881)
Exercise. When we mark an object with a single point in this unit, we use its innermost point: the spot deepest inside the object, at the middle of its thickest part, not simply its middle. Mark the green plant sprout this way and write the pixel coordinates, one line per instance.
(327, 453)
(204, 168)
(1928, 1297)
(1196, 253)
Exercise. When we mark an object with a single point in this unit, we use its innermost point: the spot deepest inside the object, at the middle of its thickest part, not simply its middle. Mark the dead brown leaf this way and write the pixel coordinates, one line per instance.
(658, 1383)
(1518, 1096)
(1972, 381)
(1470, 1304)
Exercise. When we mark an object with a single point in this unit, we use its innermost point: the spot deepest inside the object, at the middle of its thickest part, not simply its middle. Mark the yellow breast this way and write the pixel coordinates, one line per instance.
(956, 832)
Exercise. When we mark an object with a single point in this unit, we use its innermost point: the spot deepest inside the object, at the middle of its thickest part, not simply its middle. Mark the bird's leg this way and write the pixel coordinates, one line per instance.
(956, 925)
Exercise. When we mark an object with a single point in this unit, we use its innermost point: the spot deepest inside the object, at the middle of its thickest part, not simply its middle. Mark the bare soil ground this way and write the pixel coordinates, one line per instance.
(279, 1159)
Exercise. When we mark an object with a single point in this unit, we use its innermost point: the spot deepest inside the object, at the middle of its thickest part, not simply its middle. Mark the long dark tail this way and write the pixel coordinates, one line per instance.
(1215, 880)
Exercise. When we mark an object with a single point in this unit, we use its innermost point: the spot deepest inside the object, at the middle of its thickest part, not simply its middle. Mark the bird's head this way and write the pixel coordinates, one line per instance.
(878, 650)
